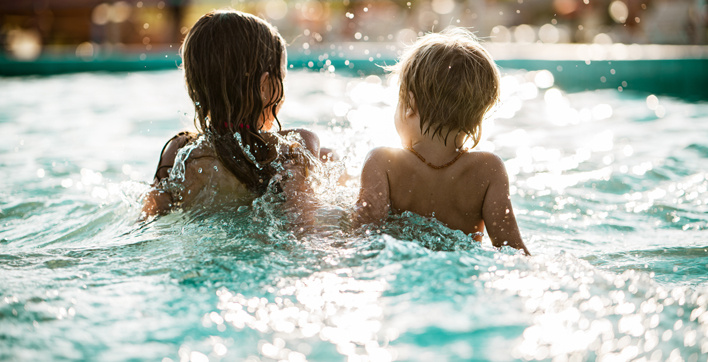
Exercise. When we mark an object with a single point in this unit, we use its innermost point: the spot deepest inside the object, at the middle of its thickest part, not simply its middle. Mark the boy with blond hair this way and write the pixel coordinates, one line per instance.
(448, 82)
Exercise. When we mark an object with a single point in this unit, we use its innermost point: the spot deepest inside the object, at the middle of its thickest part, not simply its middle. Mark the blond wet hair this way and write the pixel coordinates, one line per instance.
(451, 80)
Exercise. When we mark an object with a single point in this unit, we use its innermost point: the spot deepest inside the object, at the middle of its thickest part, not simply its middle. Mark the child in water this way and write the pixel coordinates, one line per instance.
(448, 82)
(234, 65)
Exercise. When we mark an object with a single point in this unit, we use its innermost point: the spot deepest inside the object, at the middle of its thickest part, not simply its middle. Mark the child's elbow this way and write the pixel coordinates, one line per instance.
(157, 202)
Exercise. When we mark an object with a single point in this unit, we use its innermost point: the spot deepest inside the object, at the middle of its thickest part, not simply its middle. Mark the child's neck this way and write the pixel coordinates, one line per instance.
(435, 149)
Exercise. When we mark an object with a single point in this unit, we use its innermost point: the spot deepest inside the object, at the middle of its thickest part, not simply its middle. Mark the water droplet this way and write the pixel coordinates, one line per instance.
(652, 102)
(200, 170)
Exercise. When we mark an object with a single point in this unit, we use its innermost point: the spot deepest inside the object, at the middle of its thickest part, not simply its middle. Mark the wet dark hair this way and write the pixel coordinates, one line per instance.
(224, 56)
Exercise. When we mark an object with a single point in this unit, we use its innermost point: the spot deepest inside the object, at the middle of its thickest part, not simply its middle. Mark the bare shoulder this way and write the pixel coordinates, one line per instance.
(383, 154)
(202, 150)
(198, 167)
(169, 153)
(485, 157)
(160, 199)
(191, 143)
(491, 163)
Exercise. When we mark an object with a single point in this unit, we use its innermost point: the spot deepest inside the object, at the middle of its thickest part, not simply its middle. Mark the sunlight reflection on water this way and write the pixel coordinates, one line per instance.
(608, 188)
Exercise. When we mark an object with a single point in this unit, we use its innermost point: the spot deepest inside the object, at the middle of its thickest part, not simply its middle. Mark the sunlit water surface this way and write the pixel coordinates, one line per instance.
(610, 190)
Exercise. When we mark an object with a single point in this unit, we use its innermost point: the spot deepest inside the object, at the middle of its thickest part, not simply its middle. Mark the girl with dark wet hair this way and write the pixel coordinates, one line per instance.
(234, 65)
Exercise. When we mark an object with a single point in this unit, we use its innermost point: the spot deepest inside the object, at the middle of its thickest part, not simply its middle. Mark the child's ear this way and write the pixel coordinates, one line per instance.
(412, 109)
(265, 87)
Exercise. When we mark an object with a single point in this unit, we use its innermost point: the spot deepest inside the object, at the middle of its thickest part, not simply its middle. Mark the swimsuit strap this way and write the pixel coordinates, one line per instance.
(157, 178)
(171, 165)
(436, 166)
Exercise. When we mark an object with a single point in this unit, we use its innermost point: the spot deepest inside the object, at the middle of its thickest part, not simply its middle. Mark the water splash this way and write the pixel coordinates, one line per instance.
(619, 256)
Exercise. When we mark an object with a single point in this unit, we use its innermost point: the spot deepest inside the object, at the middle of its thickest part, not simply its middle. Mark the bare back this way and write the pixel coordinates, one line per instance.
(453, 194)
(204, 180)
(464, 195)
(200, 177)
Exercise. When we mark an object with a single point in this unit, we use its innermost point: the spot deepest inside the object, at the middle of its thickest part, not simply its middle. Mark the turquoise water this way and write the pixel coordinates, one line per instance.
(610, 190)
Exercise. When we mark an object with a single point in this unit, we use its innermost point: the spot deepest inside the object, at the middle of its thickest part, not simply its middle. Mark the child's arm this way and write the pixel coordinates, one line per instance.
(497, 211)
(374, 202)
(158, 202)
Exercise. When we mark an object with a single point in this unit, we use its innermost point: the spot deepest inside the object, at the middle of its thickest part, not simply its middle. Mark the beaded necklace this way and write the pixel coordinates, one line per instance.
(436, 166)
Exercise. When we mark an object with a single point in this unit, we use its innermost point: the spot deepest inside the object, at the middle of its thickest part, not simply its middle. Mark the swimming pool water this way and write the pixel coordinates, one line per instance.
(609, 188)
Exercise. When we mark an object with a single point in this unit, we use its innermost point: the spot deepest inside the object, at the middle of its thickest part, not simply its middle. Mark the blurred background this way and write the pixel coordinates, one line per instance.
(58, 36)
